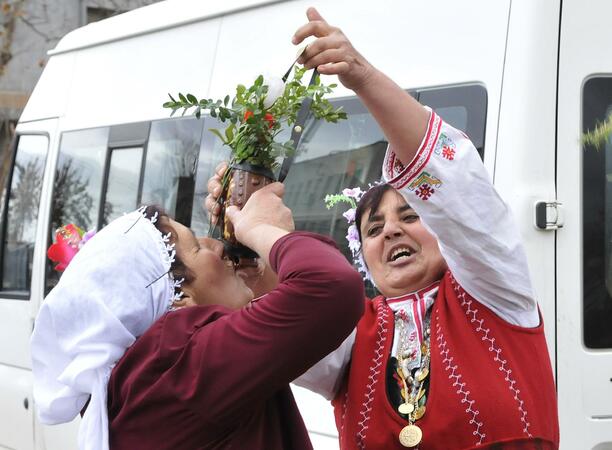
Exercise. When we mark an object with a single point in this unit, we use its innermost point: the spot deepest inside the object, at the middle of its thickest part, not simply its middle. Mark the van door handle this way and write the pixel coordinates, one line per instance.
(26, 403)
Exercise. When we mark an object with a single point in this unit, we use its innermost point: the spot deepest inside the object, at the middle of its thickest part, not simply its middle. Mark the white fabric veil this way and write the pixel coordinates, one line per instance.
(111, 293)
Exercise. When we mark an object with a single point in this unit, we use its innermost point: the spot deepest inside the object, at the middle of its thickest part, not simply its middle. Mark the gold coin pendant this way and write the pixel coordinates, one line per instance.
(406, 408)
(410, 436)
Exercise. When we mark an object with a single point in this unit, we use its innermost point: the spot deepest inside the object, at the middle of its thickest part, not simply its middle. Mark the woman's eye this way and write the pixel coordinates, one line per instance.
(410, 218)
(374, 230)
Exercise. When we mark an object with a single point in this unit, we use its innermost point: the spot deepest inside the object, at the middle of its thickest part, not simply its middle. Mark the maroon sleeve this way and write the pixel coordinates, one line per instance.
(240, 360)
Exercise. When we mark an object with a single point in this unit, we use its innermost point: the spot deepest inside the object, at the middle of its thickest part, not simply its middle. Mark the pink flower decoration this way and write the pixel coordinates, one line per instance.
(355, 193)
(349, 215)
(68, 241)
(86, 237)
(352, 234)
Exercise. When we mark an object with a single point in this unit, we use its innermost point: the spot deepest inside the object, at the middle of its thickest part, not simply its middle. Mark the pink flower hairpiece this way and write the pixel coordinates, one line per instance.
(351, 196)
(69, 239)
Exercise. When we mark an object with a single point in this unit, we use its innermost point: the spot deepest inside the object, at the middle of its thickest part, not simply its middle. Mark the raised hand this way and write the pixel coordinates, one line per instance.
(214, 191)
(332, 53)
(262, 220)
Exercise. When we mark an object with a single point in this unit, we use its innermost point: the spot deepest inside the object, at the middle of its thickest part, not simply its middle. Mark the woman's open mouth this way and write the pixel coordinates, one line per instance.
(400, 255)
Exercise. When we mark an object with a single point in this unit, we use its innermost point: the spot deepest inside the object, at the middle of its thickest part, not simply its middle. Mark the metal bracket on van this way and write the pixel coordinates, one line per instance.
(548, 215)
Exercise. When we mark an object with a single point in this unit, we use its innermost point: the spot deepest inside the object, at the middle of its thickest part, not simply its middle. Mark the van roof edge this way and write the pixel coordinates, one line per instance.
(151, 18)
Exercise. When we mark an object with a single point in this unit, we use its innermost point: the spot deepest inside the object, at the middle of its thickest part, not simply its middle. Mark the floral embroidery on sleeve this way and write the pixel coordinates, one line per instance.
(445, 147)
(425, 185)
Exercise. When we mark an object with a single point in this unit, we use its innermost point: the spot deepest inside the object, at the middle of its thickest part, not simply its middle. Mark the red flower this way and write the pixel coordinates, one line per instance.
(270, 119)
(267, 117)
(67, 239)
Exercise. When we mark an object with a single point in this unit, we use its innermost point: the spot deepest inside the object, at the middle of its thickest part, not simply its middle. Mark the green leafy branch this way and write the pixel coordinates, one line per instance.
(599, 136)
(252, 128)
(332, 200)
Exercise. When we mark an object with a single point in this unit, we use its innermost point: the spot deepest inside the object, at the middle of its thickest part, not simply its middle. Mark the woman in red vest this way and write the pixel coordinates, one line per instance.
(452, 355)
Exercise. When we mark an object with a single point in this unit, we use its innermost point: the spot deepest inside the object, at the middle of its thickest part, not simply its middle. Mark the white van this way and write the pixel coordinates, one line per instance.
(523, 78)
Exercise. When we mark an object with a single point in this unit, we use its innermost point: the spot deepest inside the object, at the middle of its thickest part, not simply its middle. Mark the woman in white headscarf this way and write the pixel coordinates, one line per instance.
(215, 375)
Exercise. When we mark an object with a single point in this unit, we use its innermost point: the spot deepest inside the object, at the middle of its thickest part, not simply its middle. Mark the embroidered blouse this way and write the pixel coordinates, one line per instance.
(449, 187)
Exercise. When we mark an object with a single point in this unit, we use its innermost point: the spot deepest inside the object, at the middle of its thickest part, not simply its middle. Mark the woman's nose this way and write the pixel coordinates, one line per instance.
(392, 230)
(214, 245)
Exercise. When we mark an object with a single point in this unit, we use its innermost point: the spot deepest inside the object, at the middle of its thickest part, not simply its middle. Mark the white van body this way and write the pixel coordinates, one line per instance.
(523, 67)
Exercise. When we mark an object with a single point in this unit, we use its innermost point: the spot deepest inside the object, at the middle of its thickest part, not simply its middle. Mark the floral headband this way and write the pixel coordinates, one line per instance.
(351, 196)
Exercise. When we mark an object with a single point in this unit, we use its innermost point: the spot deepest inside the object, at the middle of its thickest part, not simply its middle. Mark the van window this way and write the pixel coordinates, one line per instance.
(77, 185)
(104, 172)
(464, 107)
(170, 168)
(597, 218)
(332, 157)
(78, 178)
(212, 153)
(122, 183)
(21, 213)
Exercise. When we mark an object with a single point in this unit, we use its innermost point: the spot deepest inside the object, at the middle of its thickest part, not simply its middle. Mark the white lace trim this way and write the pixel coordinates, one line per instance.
(375, 370)
(168, 254)
(493, 348)
(455, 376)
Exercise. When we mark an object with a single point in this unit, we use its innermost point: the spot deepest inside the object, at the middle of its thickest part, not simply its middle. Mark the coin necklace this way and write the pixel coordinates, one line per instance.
(413, 385)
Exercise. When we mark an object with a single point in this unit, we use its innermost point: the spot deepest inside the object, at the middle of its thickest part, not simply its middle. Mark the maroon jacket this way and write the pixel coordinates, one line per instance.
(209, 377)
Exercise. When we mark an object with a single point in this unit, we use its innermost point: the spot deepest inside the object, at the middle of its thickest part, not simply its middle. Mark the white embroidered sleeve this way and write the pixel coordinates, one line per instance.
(448, 186)
(325, 377)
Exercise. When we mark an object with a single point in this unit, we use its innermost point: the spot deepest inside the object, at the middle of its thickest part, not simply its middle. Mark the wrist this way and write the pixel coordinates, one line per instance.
(369, 82)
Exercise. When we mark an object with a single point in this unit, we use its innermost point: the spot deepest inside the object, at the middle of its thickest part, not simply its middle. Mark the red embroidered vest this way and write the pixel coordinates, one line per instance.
(491, 382)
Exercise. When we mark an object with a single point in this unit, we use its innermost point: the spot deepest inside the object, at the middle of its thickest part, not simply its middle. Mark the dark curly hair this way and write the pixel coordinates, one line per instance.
(178, 269)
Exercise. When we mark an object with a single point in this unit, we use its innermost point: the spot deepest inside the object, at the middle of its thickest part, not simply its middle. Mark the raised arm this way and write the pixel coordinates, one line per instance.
(440, 174)
(449, 187)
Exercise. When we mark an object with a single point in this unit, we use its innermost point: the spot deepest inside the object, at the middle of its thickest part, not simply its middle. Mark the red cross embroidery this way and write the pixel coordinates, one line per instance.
(425, 191)
(448, 153)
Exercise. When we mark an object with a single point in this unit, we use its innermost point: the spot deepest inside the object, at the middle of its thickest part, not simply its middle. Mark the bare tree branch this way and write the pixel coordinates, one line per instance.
(46, 37)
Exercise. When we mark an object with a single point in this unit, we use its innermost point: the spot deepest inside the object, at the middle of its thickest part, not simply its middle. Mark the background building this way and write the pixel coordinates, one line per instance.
(30, 28)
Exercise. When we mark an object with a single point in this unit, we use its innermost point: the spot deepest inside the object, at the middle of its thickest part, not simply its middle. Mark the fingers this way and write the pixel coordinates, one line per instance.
(334, 68)
(316, 26)
(276, 188)
(214, 186)
(214, 182)
(211, 205)
(331, 48)
(319, 46)
(313, 14)
(316, 29)
(330, 56)
(221, 168)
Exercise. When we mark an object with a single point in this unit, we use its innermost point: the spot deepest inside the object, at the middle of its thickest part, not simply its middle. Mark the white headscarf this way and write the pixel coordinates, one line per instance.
(110, 294)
